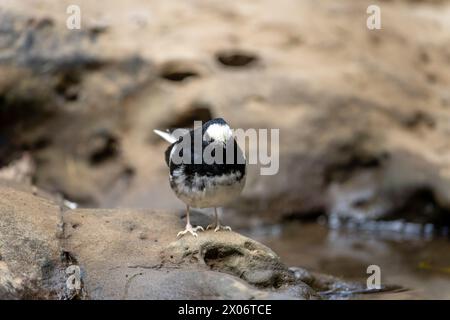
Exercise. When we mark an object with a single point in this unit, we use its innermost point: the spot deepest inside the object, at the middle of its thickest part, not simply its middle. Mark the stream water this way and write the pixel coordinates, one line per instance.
(420, 265)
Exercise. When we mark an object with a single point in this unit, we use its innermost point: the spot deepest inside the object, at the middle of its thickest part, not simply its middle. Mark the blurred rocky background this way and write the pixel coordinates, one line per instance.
(364, 115)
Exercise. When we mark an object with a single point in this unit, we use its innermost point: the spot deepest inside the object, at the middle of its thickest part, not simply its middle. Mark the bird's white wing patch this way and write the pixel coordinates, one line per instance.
(165, 135)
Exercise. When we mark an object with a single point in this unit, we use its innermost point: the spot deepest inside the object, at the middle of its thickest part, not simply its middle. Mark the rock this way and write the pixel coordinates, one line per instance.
(232, 253)
(193, 284)
(9, 287)
(47, 253)
(119, 262)
(30, 262)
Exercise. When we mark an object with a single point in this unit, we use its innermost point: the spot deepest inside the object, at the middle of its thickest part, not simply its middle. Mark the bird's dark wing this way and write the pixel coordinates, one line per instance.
(167, 153)
(180, 139)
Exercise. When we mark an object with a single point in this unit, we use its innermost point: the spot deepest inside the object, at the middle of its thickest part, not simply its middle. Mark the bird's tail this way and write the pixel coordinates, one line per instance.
(165, 135)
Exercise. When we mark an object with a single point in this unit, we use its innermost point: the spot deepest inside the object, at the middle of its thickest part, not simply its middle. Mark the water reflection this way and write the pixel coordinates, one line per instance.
(419, 264)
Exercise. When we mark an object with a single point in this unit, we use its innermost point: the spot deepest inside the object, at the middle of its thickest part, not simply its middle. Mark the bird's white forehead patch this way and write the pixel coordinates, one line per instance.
(218, 132)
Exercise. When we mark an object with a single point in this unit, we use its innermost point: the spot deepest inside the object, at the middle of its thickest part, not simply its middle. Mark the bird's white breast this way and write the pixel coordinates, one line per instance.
(217, 190)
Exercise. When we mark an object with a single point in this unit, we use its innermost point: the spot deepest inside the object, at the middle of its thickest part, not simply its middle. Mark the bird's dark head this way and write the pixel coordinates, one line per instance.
(217, 130)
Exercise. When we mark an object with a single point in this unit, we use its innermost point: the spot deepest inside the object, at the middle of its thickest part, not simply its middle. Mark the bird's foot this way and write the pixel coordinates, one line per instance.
(192, 230)
(218, 227)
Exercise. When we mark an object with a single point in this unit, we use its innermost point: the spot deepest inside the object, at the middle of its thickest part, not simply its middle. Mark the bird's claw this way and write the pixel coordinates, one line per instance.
(191, 230)
(218, 227)
(226, 228)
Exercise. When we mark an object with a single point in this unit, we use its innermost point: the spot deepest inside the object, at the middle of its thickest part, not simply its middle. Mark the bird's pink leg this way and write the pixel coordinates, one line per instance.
(189, 228)
(217, 226)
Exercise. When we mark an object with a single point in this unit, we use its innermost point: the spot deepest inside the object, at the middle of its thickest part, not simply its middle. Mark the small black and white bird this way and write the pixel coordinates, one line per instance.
(206, 184)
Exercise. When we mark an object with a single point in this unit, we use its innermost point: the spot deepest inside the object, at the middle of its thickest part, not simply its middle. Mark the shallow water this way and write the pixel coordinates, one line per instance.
(418, 264)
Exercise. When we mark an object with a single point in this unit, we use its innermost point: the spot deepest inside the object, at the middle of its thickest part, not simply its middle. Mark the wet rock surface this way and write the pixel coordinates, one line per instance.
(131, 254)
